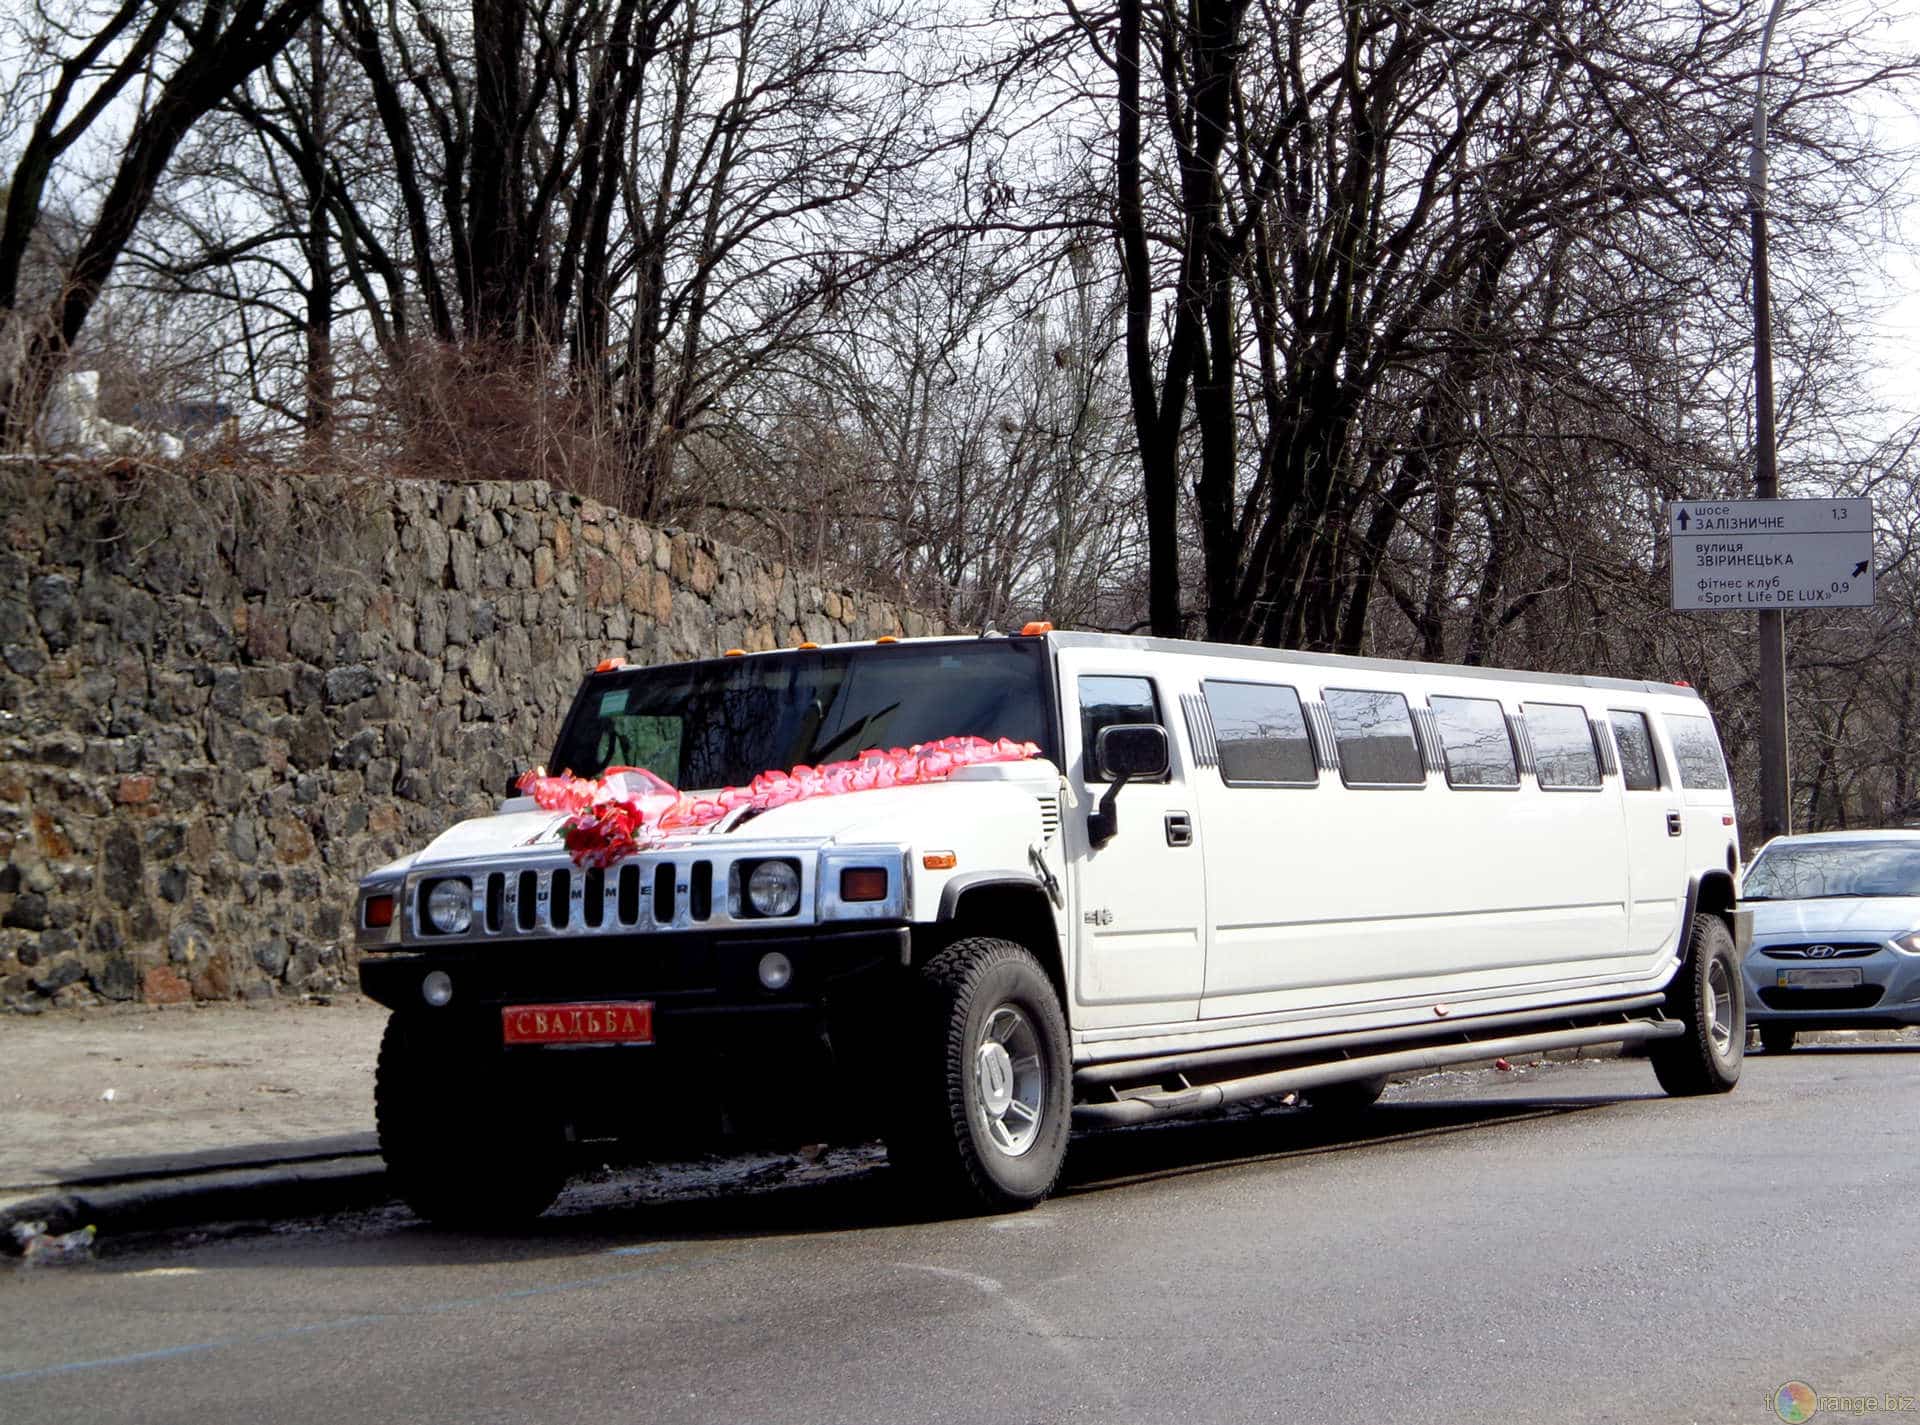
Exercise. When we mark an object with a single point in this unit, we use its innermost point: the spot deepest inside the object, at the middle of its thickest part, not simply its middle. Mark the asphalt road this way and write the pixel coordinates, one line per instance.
(1562, 1244)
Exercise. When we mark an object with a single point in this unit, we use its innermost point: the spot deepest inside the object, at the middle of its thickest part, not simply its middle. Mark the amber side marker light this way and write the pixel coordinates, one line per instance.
(863, 883)
(939, 860)
(379, 912)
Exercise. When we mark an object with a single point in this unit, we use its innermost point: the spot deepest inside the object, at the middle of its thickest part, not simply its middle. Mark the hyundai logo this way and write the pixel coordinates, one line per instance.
(1820, 952)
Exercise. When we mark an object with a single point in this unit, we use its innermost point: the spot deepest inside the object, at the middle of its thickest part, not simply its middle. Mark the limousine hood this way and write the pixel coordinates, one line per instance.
(1852, 917)
(911, 815)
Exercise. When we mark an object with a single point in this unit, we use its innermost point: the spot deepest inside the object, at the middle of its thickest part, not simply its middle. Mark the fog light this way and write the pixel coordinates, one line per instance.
(450, 906)
(776, 970)
(436, 987)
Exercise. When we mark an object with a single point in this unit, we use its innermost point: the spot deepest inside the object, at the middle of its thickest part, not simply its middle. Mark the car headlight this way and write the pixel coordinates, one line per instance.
(450, 906)
(774, 888)
(1910, 942)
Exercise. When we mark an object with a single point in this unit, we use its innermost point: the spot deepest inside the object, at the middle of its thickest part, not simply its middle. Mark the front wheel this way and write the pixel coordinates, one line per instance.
(464, 1144)
(983, 1109)
(1705, 997)
(1776, 1038)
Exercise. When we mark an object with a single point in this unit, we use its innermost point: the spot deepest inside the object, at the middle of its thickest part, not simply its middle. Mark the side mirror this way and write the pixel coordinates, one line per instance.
(1125, 752)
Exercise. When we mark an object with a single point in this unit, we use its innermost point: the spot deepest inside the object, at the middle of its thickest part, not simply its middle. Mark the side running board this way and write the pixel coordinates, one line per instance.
(1150, 1104)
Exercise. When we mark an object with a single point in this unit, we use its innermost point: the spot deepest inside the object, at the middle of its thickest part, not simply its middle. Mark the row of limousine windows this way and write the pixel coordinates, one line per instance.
(1265, 735)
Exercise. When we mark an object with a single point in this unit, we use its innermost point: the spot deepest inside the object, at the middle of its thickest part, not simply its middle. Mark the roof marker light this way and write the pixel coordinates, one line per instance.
(886, 638)
(607, 665)
(807, 643)
(1035, 628)
(735, 653)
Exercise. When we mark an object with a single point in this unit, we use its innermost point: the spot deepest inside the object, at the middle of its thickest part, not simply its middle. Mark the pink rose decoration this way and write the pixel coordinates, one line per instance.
(619, 812)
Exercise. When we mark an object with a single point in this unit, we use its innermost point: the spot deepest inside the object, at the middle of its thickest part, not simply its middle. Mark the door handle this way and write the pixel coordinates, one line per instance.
(1179, 829)
(1673, 823)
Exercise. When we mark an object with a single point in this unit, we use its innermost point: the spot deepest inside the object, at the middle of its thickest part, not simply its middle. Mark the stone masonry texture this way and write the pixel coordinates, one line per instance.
(225, 696)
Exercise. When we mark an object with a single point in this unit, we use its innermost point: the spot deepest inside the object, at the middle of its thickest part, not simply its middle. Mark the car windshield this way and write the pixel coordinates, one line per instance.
(1829, 869)
(721, 722)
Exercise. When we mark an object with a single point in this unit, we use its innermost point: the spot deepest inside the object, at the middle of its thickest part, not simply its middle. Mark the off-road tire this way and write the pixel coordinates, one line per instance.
(956, 1132)
(464, 1145)
(1776, 1038)
(1706, 997)
(1352, 1096)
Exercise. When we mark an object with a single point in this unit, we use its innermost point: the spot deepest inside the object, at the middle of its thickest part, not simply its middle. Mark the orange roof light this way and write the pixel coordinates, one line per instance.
(1681, 683)
(806, 643)
(886, 638)
(607, 665)
(1035, 628)
(735, 653)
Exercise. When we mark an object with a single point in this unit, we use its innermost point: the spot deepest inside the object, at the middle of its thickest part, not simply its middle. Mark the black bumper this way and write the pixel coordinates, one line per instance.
(699, 985)
(729, 1057)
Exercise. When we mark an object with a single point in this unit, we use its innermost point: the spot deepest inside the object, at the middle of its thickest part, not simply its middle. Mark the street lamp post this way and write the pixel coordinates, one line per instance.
(1775, 810)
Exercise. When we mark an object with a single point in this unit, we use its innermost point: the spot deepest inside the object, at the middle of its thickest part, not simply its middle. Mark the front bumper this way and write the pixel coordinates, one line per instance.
(702, 987)
(1886, 996)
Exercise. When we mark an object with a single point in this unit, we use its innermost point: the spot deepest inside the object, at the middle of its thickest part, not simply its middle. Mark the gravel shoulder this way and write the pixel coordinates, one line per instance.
(112, 1093)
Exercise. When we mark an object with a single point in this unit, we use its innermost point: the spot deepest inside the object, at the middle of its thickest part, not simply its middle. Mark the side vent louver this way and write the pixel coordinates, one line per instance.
(1200, 736)
(1522, 743)
(1603, 739)
(1326, 751)
(1427, 730)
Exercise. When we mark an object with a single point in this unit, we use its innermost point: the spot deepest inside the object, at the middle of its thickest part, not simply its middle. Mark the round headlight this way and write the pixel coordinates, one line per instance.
(450, 906)
(773, 888)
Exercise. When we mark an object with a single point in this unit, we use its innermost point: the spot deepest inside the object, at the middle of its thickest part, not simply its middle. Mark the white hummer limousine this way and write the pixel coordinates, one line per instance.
(1229, 873)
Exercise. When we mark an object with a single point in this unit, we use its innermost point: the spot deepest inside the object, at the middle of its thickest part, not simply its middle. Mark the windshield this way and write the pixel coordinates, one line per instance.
(1845, 868)
(720, 722)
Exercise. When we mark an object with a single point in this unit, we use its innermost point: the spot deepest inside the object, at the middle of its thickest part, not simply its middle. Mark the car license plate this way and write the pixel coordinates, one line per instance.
(617, 1023)
(1821, 979)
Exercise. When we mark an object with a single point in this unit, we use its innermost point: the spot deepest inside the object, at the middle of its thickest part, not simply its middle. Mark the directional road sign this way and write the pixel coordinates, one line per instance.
(1743, 555)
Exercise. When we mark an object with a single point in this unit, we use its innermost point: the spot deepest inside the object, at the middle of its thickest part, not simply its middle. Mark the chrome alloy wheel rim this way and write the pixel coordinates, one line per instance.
(1719, 1009)
(1009, 1080)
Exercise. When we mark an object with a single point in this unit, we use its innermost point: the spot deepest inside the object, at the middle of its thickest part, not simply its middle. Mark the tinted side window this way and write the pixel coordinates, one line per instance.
(1697, 751)
(1374, 732)
(1262, 733)
(1563, 752)
(1108, 702)
(1635, 741)
(1474, 737)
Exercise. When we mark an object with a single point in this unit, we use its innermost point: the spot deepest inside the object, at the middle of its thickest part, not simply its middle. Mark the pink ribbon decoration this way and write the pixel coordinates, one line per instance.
(616, 814)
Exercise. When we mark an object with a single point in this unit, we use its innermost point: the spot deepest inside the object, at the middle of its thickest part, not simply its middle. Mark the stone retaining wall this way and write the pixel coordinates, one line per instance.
(224, 696)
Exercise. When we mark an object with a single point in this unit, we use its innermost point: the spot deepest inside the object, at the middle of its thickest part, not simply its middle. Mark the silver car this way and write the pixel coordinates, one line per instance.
(1836, 933)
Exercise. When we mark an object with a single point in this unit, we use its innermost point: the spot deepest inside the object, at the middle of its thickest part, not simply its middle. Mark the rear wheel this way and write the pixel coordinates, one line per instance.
(465, 1145)
(1705, 997)
(982, 1114)
(1776, 1038)
(1353, 1096)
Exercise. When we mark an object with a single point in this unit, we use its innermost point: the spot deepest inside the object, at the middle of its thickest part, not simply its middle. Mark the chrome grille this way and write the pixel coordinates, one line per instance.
(661, 895)
(1802, 952)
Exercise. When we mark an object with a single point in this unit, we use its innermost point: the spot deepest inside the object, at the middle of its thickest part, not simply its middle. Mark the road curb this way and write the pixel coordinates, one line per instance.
(279, 1190)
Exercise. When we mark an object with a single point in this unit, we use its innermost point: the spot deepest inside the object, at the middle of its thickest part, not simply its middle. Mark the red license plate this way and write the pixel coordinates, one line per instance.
(620, 1023)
